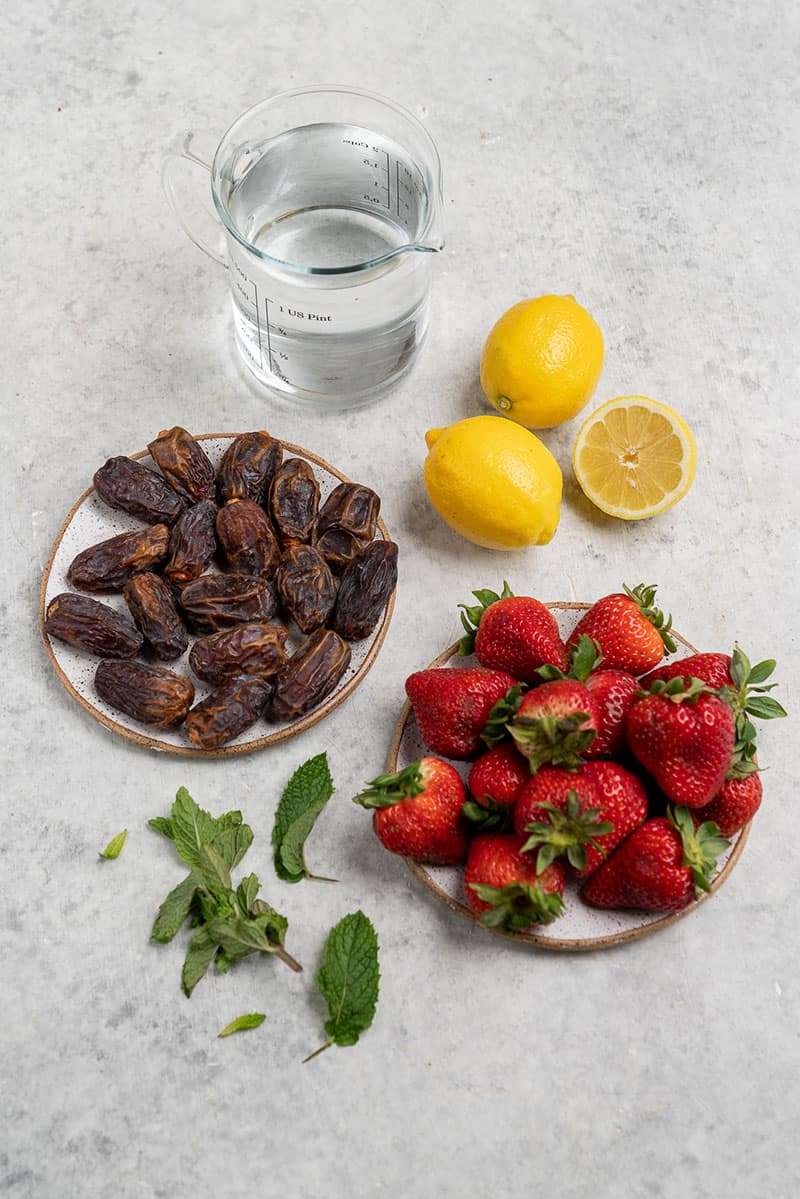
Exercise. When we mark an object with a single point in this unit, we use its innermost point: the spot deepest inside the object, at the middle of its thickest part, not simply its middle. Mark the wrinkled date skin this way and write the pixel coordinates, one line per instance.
(365, 589)
(294, 500)
(228, 711)
(108, 565)
(126, 485)
(246, 538)
(91, 626)
(339, 548)
(248, 467)
(192, 543)
(257, 648)
(312, 673)
(215, 602)
(184, 464)
(158, 620)
(352, 508)
(305, 587)
(151, 694)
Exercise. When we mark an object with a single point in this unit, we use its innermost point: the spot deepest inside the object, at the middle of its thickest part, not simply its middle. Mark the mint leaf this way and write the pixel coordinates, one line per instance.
(233, 841)
(253, 1020)
(174, 910)
(114, 847)
(212, 871)
(349, 980)
(163, 825)
(247, 891)
(199, 957)
(304, 797)
(192, 827)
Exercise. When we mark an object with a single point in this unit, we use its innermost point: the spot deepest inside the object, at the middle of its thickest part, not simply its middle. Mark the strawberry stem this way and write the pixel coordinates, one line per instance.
(388, 789)
(471, 615)
(643, 595)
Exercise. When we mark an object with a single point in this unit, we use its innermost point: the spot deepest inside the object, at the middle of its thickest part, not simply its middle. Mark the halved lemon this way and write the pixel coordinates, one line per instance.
(634, 457)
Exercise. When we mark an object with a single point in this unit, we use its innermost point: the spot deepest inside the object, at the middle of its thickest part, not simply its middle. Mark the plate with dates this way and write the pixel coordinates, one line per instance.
(91, 521)
(582, 927)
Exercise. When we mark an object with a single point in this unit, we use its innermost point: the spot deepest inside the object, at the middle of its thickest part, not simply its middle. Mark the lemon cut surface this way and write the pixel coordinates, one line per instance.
(634, 457)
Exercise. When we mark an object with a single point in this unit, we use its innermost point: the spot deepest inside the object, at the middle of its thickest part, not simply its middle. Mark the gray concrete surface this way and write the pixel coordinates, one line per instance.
(643, 157)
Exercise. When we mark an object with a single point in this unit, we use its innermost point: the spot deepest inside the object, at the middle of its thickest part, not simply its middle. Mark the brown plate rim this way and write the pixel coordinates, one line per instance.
(189, 751)
(580, 944)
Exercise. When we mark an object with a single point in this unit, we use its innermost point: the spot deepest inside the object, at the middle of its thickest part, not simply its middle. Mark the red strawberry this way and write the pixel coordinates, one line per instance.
(555, 723)
(614, 692)
(588, 814)
(712, 669)
(512, 632)
(504, 888)
(495, 781)
(685, 738)
(661, 867)
(417, 812)
(736, 802)
(453, 706)
(631, 633)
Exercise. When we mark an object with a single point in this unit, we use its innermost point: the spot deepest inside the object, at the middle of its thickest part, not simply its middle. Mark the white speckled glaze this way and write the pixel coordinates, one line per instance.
(581, 926)
(93, 521)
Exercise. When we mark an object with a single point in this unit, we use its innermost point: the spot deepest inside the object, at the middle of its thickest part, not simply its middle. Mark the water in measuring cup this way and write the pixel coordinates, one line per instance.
(330, 196)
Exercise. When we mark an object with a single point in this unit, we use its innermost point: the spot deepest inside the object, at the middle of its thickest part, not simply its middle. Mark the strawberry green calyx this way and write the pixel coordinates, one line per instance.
(679, 690)
(496, 727)
(584, 657)
(567, 831)
(489, 816)
(748, 698)
(561, 741)
(701, 846)
(388, 789)
(643, 595)
(471, 615)
(517, 906)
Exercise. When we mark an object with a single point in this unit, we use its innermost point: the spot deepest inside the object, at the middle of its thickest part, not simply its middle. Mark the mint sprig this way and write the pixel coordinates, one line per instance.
(349, 979)
(304, 797)
(230, 922)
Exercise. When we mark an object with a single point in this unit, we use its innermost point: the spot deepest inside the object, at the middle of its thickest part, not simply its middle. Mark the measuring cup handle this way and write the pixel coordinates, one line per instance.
(180, 148)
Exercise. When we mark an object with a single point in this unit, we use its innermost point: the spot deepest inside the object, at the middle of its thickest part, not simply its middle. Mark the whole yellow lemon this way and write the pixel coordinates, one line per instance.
(541, 361)
(493, 482)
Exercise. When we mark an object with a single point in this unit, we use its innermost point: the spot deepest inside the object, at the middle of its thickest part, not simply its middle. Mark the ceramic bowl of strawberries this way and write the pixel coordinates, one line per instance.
(555, 779)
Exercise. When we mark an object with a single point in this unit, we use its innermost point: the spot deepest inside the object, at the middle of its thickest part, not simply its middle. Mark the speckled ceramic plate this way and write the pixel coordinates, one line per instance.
(90, 521)
(581, 927)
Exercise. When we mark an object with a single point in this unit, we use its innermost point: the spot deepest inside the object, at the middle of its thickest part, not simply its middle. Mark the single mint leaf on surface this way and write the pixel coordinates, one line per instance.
(349, 980)
(174, 910)
(253, 1020)
(304, 797)
(114, 847)
(163, 825)
(199, 957)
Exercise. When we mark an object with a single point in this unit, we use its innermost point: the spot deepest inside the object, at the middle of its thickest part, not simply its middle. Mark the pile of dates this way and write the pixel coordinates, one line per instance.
(226, 560)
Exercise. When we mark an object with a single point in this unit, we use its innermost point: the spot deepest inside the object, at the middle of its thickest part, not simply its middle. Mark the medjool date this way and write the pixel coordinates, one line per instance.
(305, 587)
(184, 464)
(91, 626)
(294, 500)
(228, 711)
(339, 548)
(256, 648)
(192, 543)
(311, 673)
(215, 602)
(151, 694)
(126, 485)
(153, 609)
(248, 466)
(365, 589)
(246, 538)
(353, 508)
(108, 565)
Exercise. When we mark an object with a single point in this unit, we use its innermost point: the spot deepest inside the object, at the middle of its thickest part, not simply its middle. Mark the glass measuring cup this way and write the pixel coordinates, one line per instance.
(330, 203)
